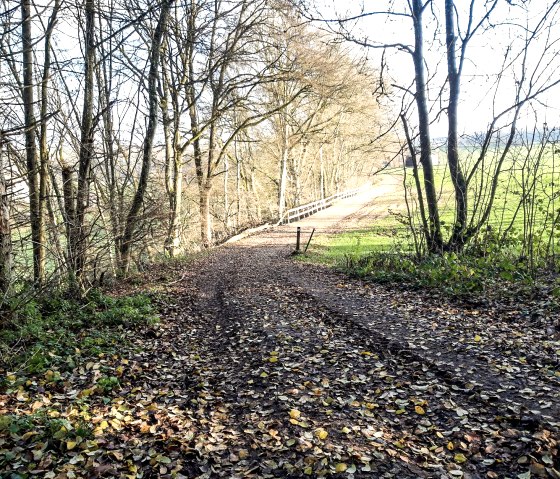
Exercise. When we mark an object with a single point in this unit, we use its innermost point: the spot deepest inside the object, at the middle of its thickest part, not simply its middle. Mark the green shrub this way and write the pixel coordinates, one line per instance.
(48, 332)
(451, 273)
(108, 383)
(53, 430)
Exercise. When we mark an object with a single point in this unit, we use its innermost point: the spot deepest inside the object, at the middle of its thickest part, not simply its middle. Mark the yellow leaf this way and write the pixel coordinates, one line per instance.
(460, 458)
(86, 392)
(341, 467)
(294, 421)
(295, 414)
(400, 444)
(264, 375)
(22, 396)
(116, 424)
(346, 430)
(308, 470)
(450, 446)
(273, 359)
(477, 339)
(419, 410)
(29, 434)
(321, 433)
(71, 445)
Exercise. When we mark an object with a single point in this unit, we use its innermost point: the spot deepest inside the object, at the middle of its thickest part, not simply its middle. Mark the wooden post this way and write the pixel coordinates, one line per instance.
(298, 239)
(309, 241)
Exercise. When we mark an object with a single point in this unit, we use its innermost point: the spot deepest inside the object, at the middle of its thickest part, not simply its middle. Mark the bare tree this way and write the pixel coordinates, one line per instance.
(33, 173)
(462, 24)
(153, 97)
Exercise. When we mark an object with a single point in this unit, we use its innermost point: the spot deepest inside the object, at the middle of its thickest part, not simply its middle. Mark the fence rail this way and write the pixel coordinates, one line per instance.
(309, 209)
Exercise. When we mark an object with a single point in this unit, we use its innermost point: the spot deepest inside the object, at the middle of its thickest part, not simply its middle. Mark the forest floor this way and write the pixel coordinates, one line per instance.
(265, 367)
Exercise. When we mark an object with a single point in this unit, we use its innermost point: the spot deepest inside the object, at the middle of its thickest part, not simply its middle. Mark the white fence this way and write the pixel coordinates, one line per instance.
(303, 211)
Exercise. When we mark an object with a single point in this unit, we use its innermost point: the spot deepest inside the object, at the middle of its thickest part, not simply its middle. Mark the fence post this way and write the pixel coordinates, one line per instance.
(298, 239)
(309, 241)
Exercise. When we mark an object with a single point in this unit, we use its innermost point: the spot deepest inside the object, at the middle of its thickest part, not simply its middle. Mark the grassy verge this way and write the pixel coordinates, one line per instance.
(63, 366)
(498, 272)
(515, 253)
(51, 335)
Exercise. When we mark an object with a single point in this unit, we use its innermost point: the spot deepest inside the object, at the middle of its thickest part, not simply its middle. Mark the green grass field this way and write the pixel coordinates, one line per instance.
(532, 218)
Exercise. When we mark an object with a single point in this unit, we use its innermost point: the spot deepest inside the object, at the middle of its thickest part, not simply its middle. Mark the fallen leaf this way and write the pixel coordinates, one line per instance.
(295, 414)
(459, 458)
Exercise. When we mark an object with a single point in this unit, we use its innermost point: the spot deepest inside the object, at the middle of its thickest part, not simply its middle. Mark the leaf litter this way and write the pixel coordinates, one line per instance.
(266, 368)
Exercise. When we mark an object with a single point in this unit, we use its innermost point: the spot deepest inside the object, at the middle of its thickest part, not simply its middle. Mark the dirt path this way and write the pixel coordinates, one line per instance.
(314, 374)
(264, 367)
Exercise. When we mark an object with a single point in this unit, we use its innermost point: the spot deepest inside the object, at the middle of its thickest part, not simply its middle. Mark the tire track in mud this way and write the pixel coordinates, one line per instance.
(277, 339)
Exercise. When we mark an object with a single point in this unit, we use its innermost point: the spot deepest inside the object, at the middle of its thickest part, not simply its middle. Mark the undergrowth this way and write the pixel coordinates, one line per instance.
(54, 332)
(486, 267)
(460, 276)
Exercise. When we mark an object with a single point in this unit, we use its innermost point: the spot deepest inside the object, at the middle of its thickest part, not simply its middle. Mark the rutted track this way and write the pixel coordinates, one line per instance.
(284, 337)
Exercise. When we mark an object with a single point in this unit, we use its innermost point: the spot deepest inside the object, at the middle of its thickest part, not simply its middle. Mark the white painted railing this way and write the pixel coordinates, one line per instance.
(309, 209)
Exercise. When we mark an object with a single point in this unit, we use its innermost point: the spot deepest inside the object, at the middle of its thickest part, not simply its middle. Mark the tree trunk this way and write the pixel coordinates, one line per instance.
(105, 85)
(175, 201)
(138, 200)
(43, 148)
(78, 237)
(435, 241)
(237, 187)
(456, 241)
(283, 175)
(33, 176)
(203, 181)
(205, 218)
(206, 228)
(69, 194)
(173, 162)
(256, 196)
(5, 241)
(226, 195)
(321, 174)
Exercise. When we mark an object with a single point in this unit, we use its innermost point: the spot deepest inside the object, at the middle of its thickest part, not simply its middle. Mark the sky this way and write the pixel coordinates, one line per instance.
(492, 67)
